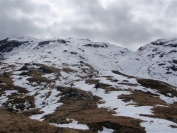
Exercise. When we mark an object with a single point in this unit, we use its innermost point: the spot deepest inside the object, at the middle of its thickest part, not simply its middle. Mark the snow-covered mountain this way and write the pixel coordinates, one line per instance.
(157, 60)
(42, 71)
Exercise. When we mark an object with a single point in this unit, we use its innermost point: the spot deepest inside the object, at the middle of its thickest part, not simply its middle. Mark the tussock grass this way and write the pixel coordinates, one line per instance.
(160, 86)
(19, 102)
(39, 71)
(39, 79)
(15, 123)
(173, 126)
(165, 111)
(6, 78)
(90, 70)
(12, 66)
(85, 111)
(125, 75)
(91, 81)
(31, 112)
(48, 69)
(106, 87)
(142, 98)
(168, 112)
(32, 72)
(68, 70)
(12, 87)
(110, 78)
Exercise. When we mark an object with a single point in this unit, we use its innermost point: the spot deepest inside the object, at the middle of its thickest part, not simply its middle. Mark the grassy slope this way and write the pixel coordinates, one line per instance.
(15, 123)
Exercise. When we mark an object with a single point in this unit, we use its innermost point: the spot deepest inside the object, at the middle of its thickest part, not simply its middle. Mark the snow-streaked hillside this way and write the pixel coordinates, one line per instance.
(134, 86)
(157, 60)
(161, 56)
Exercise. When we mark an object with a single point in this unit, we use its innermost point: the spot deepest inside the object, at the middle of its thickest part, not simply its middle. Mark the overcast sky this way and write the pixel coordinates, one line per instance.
(127, 23)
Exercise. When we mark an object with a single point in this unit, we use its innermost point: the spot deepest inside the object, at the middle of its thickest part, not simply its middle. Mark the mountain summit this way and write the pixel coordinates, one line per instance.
(54, 81)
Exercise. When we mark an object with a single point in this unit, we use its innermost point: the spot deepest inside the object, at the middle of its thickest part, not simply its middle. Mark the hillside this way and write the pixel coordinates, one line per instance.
(53, 81)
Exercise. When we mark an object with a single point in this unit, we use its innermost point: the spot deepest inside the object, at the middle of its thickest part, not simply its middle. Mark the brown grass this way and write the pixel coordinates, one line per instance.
(125, 75)
(91, 81)
(36, 73)
(160, 86)
(40, 71)
(15, 123)
(142, 98)
(91, 67)
(12, 66)
(104, 86)
(68, 70)
(38, 79)
(48, 68)
(128, 84)
(6, 78)
(12, 87)
(173, 126)
(90, 70)
(110, 78)
(165, 112)
(31, 112)
(85, 111)
(19, 102)
(169, 113)
(32, 72)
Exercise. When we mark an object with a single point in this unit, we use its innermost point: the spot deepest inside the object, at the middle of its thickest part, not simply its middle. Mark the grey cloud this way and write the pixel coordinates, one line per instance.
(12, 25)
(172, 9)
(9, 6)
(16, 28)
(91, 20)
(117, 22)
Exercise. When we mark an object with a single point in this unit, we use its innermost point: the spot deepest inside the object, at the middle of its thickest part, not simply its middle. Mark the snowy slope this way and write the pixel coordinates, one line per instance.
(151, 61)
(161, 56)
(77, 61)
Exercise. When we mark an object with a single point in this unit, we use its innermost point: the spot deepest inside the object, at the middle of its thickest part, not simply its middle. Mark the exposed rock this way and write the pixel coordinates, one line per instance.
(73, 52)
(74, 94)
(47, 42)
(96, 45)
(44, 43)
(7, 46)
(61, 41)
(23, 68)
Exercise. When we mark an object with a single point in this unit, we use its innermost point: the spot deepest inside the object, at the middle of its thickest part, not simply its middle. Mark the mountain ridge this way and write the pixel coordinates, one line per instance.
(142, 62)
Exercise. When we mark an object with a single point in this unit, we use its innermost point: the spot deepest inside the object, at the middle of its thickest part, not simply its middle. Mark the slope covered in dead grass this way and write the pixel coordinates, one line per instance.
(15, 123)
(141, 98)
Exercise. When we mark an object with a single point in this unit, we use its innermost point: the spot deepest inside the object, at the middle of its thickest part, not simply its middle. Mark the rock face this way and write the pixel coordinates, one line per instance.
(8, 45)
